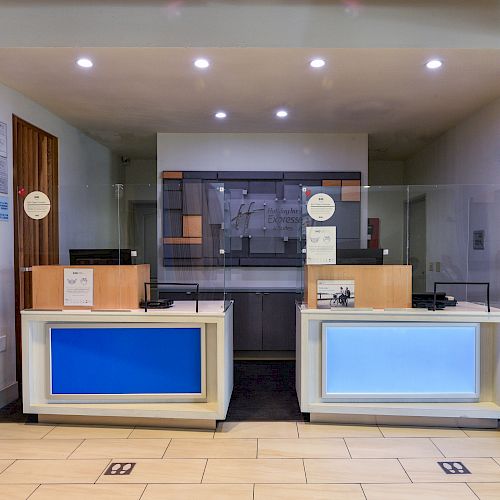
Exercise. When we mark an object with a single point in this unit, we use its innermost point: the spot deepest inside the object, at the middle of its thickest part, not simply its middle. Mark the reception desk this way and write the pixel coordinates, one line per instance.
(399, 366)
(161, 367)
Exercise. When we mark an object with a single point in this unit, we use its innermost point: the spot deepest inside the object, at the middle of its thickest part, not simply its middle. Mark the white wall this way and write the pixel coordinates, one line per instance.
(85, 215)
(249, 152)
(468, 154)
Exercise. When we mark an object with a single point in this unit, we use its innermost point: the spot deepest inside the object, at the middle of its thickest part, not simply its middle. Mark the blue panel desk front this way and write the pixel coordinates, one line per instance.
(126, 360)
(400, 361)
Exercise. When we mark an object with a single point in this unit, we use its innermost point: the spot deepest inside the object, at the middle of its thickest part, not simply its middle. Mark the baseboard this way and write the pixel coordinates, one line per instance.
(9, 394)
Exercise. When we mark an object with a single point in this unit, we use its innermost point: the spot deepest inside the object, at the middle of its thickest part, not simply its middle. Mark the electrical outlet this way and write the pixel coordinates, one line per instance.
(3, 343)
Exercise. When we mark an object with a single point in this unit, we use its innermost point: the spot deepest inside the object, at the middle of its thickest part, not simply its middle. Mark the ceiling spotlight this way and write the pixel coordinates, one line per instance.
(317, 63)
(202, 63)
(83, 62)
(282, 113)
(220, 115)
(434, 64)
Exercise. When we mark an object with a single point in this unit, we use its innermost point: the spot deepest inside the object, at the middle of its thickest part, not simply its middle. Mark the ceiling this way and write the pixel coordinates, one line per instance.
(132, 93)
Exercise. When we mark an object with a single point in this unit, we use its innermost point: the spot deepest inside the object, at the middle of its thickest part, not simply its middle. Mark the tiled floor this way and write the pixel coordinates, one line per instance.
(247, 461)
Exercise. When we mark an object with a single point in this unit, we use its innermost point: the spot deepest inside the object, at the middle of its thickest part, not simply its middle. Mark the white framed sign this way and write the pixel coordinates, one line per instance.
(78, 287)
(37, 205)
(321, 207)
(321, 245)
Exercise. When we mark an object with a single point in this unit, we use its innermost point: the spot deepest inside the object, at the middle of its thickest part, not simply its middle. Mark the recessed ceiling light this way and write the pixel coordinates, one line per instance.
(317, 63)
(434, 64)
(202, 63)
(220, 115)
(282, 113)
(84, 62)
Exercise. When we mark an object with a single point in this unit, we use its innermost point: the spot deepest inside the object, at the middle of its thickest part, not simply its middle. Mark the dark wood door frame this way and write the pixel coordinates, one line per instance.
(36, 242)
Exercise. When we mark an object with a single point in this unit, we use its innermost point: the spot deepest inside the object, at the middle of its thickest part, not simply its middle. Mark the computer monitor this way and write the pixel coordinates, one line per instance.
(100, 257)
(360, 256)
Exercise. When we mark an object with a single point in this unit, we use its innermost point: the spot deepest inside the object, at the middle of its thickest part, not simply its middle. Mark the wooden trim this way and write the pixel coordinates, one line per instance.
(182, 241)
(171, 175)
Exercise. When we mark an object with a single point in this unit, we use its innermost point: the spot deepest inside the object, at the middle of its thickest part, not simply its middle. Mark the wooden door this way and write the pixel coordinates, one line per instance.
(36, 242)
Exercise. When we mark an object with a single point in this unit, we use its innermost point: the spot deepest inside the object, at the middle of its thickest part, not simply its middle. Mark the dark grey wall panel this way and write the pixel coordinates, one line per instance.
(278, 321)
(172, 224)
(172, 200)
(247, 321)
(192, 197)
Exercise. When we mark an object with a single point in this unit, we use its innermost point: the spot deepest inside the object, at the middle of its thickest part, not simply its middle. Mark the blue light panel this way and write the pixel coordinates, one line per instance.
(400, 359)
(126, 360)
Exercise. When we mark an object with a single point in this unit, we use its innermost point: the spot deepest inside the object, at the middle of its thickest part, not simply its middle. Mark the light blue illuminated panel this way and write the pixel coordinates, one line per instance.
(119, 360)
(400, 361)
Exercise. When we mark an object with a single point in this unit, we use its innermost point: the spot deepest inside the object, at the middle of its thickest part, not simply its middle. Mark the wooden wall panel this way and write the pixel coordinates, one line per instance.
(36, 242)
(376, 286)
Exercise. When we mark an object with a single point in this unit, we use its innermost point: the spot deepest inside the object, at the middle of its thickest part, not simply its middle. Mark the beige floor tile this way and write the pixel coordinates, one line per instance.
(427, 470)
(86, 491)
(303, 448)
(308, 492)
(88, 432)
(477, 433)
(421, 491)
(212, 448)
(337, 470)
(256, 430)
(16, 491)
(38, 448)
(469, 447)
(307, 430)
(392, 448)
(260, 470)
(53, 471)
(4, 464)
(409, 432)
(150, 470)
(17, 430)
(145, 433)
(198, 492)
(486, 491)
(115, 448)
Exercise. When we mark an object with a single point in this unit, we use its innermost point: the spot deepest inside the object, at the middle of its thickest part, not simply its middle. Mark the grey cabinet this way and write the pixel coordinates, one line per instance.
(247, 321)
(278, 325)
(264, 321)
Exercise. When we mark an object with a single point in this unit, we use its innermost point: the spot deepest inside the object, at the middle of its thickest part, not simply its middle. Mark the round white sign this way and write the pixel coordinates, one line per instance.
(321, 207)
(37, 205)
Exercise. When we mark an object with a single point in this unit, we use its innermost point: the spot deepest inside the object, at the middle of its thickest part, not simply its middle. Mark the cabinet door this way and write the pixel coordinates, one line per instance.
(278, 321)
(247, 321)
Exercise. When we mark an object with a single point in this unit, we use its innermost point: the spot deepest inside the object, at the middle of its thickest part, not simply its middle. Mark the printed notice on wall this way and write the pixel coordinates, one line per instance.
(4, 208)
(3, 139)
(321, 245)
(78, 287)
(4, 176)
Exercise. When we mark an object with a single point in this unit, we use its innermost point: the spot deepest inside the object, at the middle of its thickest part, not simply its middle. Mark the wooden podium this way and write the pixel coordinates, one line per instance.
(115, 287)
(379, 286)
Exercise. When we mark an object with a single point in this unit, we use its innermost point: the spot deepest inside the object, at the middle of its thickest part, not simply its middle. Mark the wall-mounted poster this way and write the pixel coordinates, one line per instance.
(4, 208)
(4, 176)
(3, 139)
(321, 245)
(335, 293)
(78, 287)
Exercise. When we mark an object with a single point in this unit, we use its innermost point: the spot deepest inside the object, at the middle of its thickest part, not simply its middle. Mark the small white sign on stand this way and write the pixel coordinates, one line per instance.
(78, 287)
(321, 245)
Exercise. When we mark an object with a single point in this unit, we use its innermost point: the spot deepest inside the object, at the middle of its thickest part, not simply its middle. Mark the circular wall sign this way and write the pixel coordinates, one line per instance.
(321, 206)
(37, 205)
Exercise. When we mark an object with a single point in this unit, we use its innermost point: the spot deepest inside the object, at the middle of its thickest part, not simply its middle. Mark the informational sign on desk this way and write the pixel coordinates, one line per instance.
(78, 287)
(321, 245)
(4, 208)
